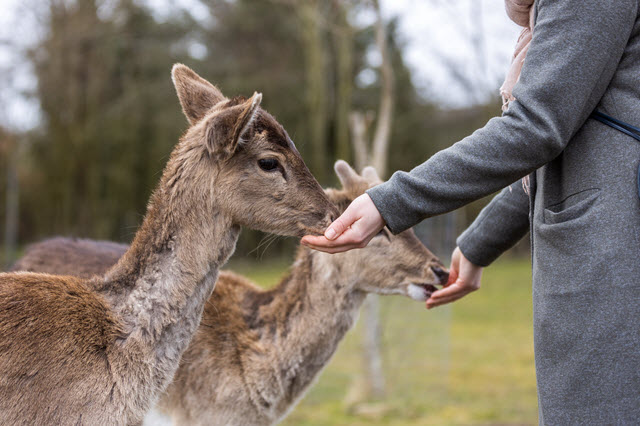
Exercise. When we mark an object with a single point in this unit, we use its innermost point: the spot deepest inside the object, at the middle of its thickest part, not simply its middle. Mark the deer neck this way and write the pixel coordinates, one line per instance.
(319, 303)
(159, 287)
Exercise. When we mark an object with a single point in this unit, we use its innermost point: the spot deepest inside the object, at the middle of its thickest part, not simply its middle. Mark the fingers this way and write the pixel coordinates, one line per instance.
(333, 250)
(453, 275)
(336, 229)
(464, 278)
(435, 303)
(349, 240)
(454, 268)
(453, 292)
(341, 224)
(354, 229)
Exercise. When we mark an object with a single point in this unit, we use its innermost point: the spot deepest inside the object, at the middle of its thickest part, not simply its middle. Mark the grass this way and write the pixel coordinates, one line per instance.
(469, 363)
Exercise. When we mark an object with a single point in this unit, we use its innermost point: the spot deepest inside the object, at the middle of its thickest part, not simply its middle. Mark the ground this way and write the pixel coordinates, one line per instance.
(470, 363)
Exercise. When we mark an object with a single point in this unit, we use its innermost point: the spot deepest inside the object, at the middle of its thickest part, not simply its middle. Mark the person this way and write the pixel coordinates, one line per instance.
(580, 203)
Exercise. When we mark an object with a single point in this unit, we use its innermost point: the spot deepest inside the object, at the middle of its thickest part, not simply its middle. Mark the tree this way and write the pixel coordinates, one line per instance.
(315, 54)
(343, 45)
(375, 153)
(10, 154)
(110, 114)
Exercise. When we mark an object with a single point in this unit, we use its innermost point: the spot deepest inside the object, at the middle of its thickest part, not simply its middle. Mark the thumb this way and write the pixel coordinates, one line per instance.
(453, 273)
(341, 224)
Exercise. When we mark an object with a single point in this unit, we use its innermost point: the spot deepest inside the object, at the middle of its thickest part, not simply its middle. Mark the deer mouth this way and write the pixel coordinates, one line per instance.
(317, 228)
(421, 291)
(309, 230)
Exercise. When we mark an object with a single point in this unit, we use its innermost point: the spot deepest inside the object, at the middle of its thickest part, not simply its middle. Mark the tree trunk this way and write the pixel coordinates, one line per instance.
(12, 207)
(343, 43)
(315, 61)
(359, 125)
(372, 344)
(372, 354)
(385, 113)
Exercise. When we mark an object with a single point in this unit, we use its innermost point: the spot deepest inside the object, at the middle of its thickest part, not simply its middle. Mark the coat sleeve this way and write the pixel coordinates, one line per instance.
(498, 227)
(576, 47)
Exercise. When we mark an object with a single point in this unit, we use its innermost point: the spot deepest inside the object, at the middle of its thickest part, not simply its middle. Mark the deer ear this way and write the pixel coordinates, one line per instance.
(346, 174)
(197, 96)
(226, 129)
(370, 174)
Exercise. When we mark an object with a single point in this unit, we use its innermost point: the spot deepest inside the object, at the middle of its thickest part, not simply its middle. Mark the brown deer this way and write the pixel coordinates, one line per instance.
(257, 351)
(101, 350)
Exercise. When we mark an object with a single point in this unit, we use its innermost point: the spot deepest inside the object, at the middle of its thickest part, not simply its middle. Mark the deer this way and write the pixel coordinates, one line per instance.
(257, 351)
(100, 350)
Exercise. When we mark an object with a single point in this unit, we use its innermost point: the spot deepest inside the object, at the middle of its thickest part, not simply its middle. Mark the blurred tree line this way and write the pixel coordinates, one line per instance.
(110, 116)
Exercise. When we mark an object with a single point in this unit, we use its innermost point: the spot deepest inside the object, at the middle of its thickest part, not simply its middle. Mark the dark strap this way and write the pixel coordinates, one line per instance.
(621, 126)
(625, 128)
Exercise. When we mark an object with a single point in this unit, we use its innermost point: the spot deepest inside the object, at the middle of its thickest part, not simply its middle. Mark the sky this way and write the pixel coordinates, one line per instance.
(473, 38)
(458, 50)
(17, 27)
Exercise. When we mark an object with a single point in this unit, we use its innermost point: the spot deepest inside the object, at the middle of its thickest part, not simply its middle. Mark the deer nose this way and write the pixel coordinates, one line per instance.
(441, 274)
(329, 218)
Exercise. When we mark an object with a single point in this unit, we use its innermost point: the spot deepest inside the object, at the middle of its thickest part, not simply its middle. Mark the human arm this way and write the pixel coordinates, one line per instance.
(574, 53)
(499, 226)
(576, 47)
(356, 227)
(464, 278)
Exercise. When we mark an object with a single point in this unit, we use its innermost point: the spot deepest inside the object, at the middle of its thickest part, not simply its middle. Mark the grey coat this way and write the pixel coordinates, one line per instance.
(583, 211)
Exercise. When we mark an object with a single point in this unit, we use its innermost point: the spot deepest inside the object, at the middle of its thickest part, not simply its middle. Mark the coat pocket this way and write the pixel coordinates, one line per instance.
(571, 207)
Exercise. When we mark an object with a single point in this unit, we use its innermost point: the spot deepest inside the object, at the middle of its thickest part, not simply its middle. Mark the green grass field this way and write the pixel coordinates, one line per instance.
(468, 363)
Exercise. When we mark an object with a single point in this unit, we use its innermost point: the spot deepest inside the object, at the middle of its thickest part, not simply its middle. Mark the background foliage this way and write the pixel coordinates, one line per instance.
(110, 116)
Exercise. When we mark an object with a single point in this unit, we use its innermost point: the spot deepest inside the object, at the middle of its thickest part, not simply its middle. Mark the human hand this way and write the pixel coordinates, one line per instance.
(359, 223)
(464, 278)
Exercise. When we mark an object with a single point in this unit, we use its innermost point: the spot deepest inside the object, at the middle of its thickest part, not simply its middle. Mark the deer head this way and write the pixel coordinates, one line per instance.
(248, 154)
(390, 264)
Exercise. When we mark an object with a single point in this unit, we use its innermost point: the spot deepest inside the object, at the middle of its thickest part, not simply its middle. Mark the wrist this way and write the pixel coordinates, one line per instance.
(389, 206)
(477, 264)
(474, 252)
(373, 210)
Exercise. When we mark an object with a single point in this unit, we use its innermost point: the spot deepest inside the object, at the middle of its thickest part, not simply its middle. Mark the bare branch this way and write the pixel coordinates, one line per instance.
(358, 124)
(385, 113)
(315, 54)
(343, 43)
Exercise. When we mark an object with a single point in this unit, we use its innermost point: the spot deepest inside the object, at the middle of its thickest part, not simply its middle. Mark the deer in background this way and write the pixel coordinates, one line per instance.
(257, 352)
(100, 350)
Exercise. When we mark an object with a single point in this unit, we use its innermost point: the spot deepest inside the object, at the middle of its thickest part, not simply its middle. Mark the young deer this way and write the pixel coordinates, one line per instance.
(100, 351)
(257, 351)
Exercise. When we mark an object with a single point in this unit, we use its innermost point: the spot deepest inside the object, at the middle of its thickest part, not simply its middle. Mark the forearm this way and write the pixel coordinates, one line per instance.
(498, 227)
(573, 56)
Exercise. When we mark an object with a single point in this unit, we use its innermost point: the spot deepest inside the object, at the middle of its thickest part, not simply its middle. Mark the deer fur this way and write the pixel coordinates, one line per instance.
(257, 352)
(100, 351)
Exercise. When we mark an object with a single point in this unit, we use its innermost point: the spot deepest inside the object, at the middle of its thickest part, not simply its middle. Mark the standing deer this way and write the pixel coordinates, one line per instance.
(257, 351)
(101, 350)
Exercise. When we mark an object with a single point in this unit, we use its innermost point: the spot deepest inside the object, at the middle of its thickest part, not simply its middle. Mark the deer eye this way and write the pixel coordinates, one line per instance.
(268, 164)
